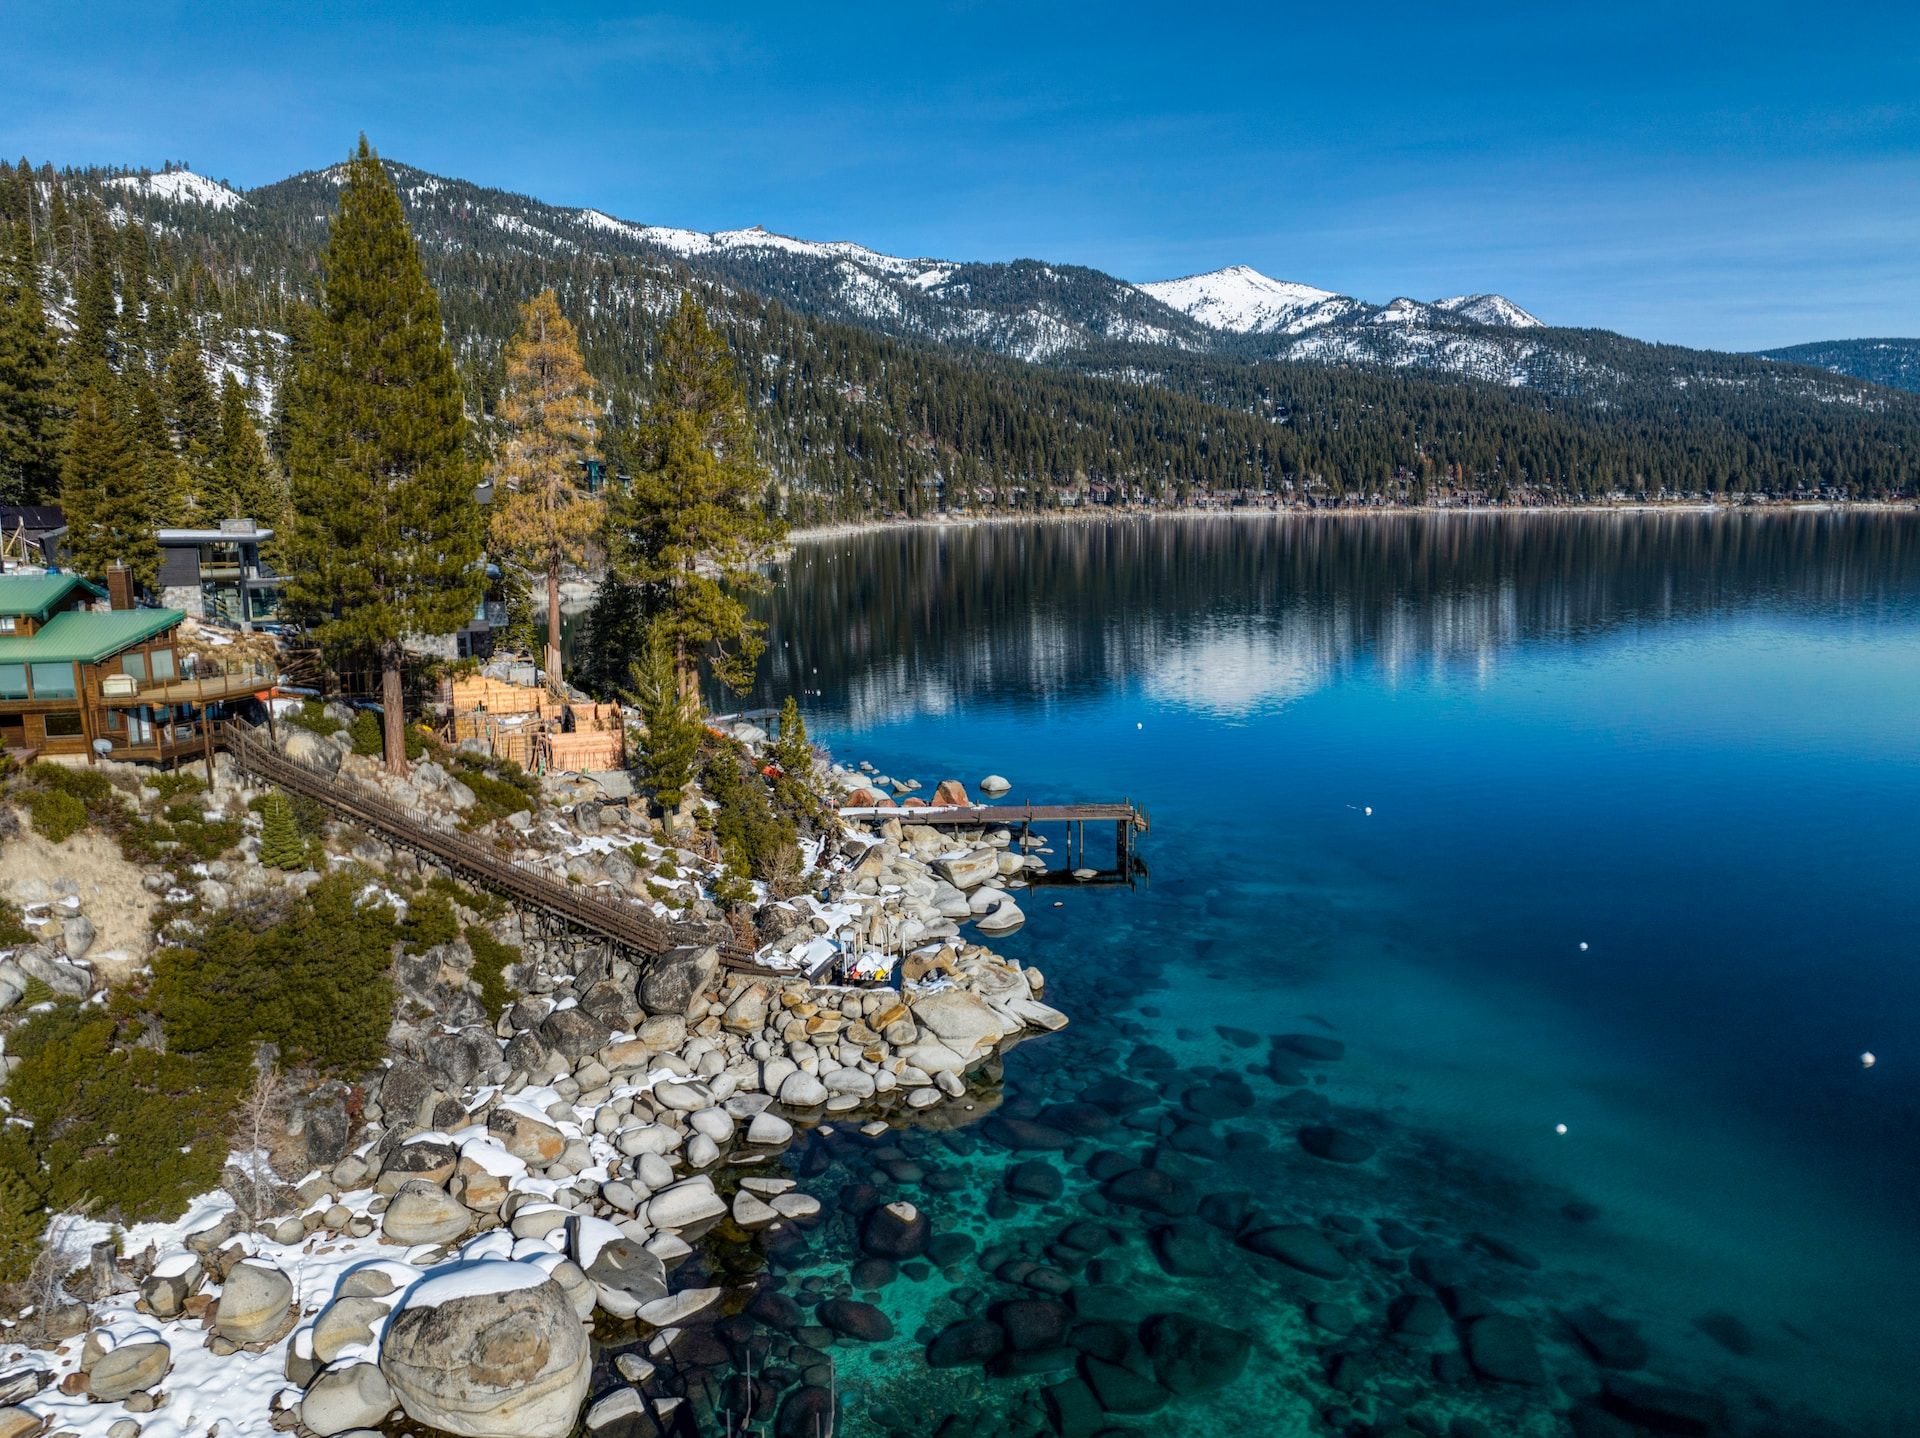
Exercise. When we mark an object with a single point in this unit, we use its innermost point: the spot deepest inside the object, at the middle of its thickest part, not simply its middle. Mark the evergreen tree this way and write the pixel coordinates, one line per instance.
(542, 518)
(194, 426)
(280, 846)
(691, 529)
(385, 535)
(613, 634)
(94, 351)
(672, 720)
(29, 388)
(792, 751)
(104, 490)
(170, 499)
(246, 486)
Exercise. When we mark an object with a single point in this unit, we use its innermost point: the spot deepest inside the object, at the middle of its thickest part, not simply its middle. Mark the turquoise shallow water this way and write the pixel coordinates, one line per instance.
(1684, 743)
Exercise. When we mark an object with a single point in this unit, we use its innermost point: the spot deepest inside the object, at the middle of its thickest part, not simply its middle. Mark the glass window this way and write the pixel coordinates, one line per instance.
(162, 661)
(52, 681)
(6, 624)
(63, 725)
(134, 664)
(13, 681)
(114, 721)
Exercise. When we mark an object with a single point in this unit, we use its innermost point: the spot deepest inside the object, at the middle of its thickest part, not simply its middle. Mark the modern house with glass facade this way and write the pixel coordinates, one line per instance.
(106, 683)
(218, 575)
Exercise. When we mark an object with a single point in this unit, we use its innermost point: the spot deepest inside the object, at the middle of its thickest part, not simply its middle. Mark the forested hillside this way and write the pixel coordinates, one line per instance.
(1891, 362)
(146, 272)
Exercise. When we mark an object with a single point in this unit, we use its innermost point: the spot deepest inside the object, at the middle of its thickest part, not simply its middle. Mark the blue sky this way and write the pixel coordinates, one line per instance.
(1724, 175)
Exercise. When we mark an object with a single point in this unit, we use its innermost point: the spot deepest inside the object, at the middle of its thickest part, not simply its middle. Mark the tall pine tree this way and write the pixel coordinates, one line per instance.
(692, 528)
(385, 538)
(105, 492)
(29, 379)
(543, 518)
(246, 486)
(194, 424)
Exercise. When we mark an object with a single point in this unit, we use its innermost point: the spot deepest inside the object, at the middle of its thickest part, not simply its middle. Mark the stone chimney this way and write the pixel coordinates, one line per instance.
(119, 586)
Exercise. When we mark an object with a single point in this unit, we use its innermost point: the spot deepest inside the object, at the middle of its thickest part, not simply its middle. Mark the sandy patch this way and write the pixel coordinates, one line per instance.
(107, 885)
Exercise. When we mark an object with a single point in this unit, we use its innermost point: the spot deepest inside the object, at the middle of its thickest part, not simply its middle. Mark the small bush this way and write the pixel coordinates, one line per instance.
(280, 844)
(13, 928)
(491, 959)
(429, 923)
(22, 1217)
(176, 784)
(312, 716)
(500, 787)
(56, 815)
(369, 740)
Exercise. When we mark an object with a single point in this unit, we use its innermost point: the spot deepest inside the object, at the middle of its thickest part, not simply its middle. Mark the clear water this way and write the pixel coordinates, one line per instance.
(1639, 862)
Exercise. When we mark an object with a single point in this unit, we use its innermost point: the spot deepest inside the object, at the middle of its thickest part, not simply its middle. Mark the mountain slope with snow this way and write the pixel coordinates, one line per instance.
(180, 187)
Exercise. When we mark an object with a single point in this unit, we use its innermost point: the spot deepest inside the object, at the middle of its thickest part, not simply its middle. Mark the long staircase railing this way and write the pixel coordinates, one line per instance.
(622, 923)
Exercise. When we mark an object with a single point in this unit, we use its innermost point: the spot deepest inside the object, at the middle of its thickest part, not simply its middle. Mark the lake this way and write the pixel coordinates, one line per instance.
(1588, 838)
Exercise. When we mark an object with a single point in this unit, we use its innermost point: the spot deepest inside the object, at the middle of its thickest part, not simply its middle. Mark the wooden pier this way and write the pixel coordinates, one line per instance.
(1127, 818)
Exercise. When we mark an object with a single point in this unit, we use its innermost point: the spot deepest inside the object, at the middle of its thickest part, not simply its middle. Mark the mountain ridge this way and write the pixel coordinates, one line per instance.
(890, 385)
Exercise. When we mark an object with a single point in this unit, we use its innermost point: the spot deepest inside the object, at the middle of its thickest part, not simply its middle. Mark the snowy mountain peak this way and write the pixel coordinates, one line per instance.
(1484, 309)
(181, 187)
(1241, 300)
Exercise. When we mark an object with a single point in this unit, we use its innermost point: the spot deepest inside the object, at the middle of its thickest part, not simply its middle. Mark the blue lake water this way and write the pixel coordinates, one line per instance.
(1640, 861)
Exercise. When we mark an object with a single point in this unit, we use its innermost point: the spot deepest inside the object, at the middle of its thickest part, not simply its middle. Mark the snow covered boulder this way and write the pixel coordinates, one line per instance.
(526, 1134)
(489, 1350)
(346, 1397)
(422, 1213)
(256, 1304)
(994, 784)
(127, 1369)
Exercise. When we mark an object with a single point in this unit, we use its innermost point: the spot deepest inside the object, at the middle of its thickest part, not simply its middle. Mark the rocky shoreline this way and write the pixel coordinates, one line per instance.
(499, 1188)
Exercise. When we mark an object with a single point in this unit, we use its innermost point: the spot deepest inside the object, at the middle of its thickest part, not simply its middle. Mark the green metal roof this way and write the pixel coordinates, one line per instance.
(35, 594)
(87, 637)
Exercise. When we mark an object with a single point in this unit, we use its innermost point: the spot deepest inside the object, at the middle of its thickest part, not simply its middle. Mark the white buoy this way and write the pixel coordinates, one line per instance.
(1368, 811)
(1583, 946)
(1867, 1061)
(1560, 1128)
(1139, 726)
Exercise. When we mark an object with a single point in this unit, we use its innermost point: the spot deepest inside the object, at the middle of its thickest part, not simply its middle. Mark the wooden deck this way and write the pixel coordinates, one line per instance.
(1127, 818)
(1010, 816)
(614, 920)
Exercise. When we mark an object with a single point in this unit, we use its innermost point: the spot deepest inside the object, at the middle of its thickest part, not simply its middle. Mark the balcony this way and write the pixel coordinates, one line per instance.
(208, 684)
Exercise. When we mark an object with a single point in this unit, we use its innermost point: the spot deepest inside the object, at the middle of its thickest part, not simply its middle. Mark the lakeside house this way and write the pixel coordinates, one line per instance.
(108, 682)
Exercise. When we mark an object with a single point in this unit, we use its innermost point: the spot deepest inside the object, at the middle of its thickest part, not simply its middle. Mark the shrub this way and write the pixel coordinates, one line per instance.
(22, 1216)
(56, 815)
(133, 1128)
(500, 787)
(13, 928)
(491, 959)
(312, 715)
(280, 843)
(364, 733)
(430, 921)
(315, 984)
